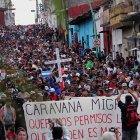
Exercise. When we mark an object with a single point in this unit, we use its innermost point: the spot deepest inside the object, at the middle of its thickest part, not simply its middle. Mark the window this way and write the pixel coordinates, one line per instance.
(71, 31)
(87, 40)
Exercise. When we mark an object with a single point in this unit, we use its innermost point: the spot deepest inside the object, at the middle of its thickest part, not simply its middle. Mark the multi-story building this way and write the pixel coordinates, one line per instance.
(56, 11)
(2, 10)
(120, 29)
(117, 24)
(7, 16)
(124, 27)
(84, 24)
(133, 39)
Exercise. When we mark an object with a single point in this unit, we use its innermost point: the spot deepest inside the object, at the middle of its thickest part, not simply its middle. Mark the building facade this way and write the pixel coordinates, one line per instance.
(7, 16)
(2, 10)
(124, 29)
(117, 24)
(83, 28)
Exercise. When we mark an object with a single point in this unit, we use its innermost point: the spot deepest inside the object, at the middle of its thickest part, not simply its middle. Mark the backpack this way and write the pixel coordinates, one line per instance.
(131, 116)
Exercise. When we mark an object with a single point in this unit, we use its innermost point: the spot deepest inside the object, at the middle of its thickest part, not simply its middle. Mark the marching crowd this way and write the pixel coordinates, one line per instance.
(28, 48)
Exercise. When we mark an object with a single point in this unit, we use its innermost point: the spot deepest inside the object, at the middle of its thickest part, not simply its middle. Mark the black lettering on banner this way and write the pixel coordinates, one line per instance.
(36, 109)
(116, 104)
(52, 109)
(95, 102)
(79, 106)
(108, 104)
(29, 109)
(64, 108)
(58, 108)
(43, 108)
(74, 106)
(71, 107)
(103, 104)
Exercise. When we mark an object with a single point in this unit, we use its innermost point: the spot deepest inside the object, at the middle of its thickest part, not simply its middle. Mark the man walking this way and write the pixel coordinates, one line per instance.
(129, 115)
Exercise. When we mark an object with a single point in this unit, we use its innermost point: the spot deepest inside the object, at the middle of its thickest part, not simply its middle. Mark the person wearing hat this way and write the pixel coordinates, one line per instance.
(23, 95)
(128, 133)
(52, 95)
(125, 88)
(39, 97)
(33, 96)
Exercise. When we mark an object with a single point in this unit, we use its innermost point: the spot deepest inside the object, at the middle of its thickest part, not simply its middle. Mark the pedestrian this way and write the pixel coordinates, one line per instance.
(129, 115)
(11, 134)
(59, 132)
(52, 95)
(7, 116)
(109, 135)
(21, 134)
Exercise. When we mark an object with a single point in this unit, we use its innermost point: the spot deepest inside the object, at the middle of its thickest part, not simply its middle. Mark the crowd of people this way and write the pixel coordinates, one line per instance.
(26, 49)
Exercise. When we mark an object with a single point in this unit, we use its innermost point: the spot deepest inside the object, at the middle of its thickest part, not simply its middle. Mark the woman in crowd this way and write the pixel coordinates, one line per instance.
(21, 134)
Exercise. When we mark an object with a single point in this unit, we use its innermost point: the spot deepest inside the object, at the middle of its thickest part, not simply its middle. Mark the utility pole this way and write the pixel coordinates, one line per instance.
(66, 20)
(36, 11)
(94, 26)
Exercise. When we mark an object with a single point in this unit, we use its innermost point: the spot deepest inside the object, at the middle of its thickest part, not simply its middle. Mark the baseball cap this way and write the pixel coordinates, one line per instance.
(52, 90)
(124, 85)
(108, 136)
(46, 88)
(64, 76)
(3, 95)
(32, 92)
(40, 94)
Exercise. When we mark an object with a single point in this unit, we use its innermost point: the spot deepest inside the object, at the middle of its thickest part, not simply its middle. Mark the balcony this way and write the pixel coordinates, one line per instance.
(118, 13)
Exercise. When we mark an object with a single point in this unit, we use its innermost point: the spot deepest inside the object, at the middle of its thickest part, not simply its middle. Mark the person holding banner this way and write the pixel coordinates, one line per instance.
(129, 115)
(58, 132)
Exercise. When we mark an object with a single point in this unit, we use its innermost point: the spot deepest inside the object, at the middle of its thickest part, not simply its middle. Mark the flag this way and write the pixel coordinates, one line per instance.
(46, 74)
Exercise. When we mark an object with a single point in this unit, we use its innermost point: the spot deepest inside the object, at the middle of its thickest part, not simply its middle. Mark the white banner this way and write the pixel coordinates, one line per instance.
(86, 118)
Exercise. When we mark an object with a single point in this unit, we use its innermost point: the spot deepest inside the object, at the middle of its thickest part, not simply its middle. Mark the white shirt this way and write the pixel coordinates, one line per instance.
(109, 70)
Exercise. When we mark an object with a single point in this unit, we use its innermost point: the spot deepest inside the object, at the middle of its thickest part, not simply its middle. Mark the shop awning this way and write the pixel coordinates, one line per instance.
(132, 38)
(132, 17)
(81, 18)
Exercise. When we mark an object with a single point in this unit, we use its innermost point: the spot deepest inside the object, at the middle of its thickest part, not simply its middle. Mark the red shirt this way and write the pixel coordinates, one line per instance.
(11, 135)
(53, 97)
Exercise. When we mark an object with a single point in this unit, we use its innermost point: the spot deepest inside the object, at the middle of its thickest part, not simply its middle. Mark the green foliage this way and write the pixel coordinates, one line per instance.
(60, 12)
(20, 80)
